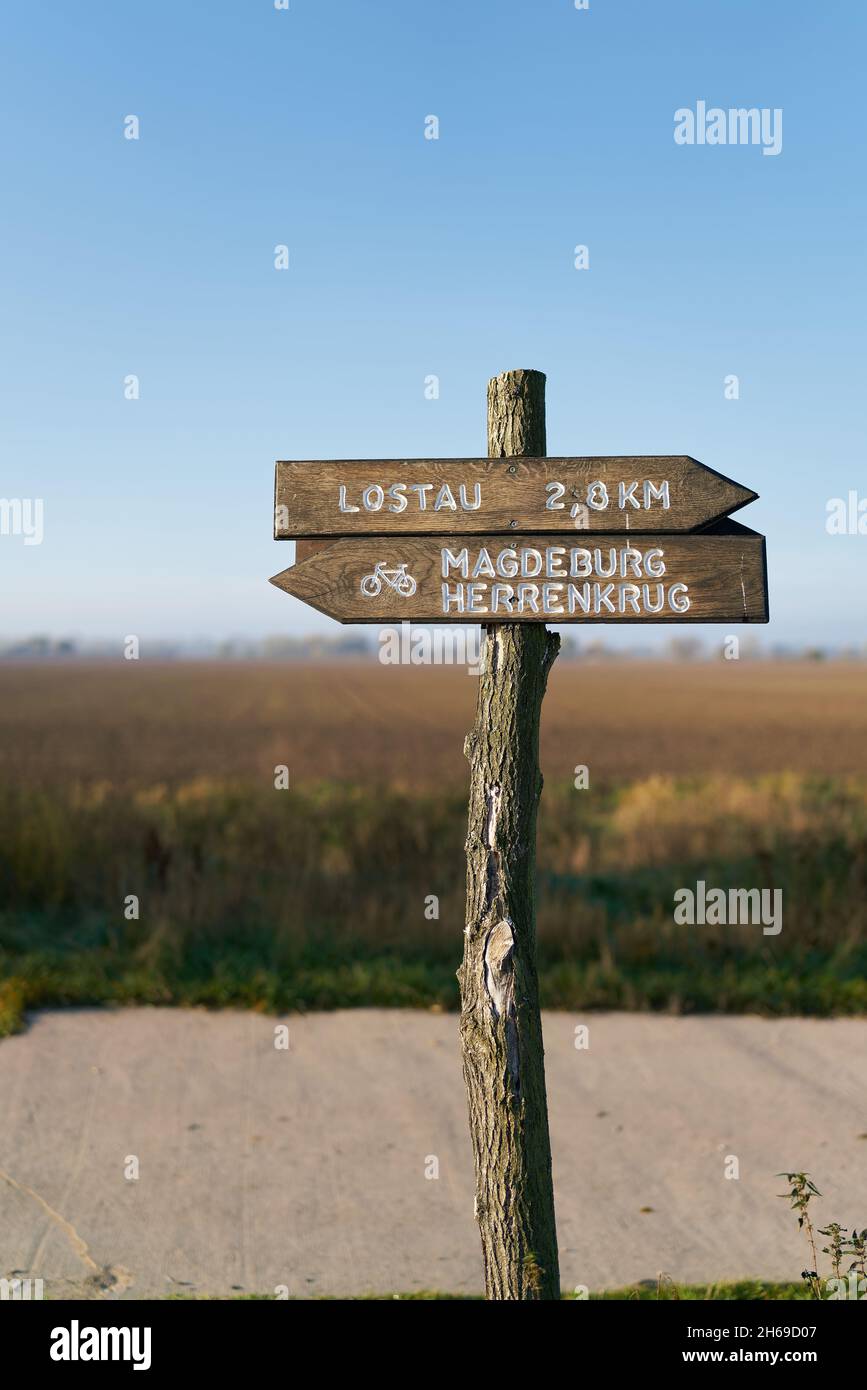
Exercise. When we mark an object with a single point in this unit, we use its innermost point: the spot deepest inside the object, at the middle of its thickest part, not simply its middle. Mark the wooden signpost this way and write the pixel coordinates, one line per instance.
(508, 542)
(715, 577)
(351, 497)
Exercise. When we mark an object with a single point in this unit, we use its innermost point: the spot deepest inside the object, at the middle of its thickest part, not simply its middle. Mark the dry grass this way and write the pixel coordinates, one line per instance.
(138, 724)
(159, 782)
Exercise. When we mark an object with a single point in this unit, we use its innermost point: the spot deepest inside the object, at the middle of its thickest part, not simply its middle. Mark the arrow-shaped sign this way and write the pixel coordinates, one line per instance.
(717, 576)
(347, 497)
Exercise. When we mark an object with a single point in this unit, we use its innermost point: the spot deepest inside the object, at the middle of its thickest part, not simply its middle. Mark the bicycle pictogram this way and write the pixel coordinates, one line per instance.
(396, 579)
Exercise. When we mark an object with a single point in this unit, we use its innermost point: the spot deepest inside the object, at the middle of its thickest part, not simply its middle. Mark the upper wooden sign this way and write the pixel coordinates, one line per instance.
(349, 497)
(717, 577)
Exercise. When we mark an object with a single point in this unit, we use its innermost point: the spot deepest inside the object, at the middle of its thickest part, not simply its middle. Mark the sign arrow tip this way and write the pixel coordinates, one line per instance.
(283, 580)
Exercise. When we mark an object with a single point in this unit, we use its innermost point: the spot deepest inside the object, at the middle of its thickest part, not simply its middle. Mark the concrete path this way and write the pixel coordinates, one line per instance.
(306, 1167)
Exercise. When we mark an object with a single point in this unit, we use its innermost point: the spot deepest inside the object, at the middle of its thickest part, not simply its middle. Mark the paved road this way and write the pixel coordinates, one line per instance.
(260, 1167)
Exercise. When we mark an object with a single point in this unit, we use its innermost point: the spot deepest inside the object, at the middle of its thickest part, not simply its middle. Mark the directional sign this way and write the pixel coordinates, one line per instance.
(349, 497)
(718, 576)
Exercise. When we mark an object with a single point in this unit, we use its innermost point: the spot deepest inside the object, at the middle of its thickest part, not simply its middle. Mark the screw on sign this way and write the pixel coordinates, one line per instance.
(509, 542)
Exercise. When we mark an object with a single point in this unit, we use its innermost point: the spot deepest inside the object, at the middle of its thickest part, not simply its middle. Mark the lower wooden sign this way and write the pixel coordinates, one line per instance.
(715, 576)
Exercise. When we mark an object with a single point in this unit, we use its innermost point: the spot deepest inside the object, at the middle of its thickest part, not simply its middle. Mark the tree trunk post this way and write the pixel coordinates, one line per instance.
(501, 1027)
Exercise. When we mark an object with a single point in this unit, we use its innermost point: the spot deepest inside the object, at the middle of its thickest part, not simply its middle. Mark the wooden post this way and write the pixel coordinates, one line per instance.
(501, 1027)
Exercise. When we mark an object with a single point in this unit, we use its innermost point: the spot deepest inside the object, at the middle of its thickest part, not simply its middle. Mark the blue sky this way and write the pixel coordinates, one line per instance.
(411, 257)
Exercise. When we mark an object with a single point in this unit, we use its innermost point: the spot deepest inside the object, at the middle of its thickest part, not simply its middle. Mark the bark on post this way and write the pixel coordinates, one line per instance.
(501, 1028)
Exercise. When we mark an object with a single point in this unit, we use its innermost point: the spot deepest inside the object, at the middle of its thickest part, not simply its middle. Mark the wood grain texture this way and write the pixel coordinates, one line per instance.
(723, 568)
(512, 492)
(501, 1026)
(304, 549)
